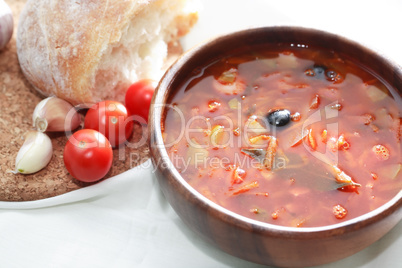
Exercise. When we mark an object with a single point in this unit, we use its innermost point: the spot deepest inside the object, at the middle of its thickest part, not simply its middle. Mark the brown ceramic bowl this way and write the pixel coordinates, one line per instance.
(249, 239)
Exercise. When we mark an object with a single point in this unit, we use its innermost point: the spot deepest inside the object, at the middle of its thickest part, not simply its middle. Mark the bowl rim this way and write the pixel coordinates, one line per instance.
(158, 150)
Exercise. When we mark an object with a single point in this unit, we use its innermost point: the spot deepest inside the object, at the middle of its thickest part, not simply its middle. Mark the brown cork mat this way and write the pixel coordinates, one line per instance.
(17, 102)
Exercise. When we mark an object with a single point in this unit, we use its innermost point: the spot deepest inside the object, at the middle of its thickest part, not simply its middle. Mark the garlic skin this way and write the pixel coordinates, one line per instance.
(6, 24)
(34, 154)
(54, 114)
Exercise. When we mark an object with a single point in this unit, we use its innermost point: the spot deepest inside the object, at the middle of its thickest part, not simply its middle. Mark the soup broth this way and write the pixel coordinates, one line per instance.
(289, 135)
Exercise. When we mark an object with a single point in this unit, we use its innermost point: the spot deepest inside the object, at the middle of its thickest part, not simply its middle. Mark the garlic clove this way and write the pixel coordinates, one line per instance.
(6, 24)
(55, 114)
(34, 154)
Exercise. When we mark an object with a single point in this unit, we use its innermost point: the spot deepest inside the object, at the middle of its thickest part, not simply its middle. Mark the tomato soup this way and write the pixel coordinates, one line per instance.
(289, 135)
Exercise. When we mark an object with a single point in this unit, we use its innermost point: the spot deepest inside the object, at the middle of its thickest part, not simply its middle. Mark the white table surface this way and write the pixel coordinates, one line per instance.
(126, 222)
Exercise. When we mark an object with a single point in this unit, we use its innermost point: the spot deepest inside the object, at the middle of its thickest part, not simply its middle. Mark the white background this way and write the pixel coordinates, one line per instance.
(126, 222)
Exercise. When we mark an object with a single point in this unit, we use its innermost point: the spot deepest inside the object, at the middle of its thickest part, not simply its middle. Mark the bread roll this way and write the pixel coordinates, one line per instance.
(85, 51)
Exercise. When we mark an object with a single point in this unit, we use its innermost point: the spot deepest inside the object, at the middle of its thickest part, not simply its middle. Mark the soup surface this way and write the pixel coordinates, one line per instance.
(289, 135)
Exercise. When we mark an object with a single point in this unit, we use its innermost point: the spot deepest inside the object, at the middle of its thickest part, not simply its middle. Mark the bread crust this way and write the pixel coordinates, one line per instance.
(60, 43)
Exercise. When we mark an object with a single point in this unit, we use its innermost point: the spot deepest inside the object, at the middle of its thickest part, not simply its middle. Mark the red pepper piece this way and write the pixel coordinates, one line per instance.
(246, 188)
(315, 102)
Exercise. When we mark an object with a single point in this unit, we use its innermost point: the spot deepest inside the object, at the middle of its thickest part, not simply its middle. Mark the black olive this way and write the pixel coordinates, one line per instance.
(279, 117)
(322, 72)
(319, 70)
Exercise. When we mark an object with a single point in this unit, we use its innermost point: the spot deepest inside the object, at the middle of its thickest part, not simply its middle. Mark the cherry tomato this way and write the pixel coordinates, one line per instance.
(138, 98)
(88, 155)
(111, 119)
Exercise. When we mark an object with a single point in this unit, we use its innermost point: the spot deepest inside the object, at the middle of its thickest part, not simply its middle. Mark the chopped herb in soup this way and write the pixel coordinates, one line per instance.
(290, 136)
